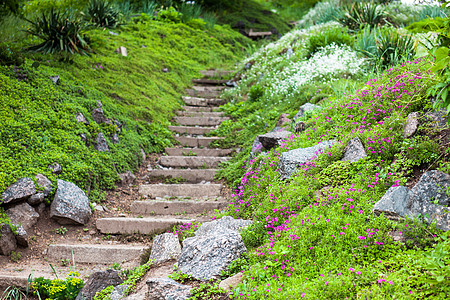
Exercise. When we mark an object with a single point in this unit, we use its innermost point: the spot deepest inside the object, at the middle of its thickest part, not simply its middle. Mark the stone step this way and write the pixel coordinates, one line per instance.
(210, 81)
(192, 161)
(137, 225)
(201, 88)
(216, 73)
(180, 190)
(200, 114)
(197, 101)
(191, 176)
(196, 141)
(200, 121)
(95, 254)
(198, 152)
(174, 207)
(198, 108)
(205, 94)
(191, 130)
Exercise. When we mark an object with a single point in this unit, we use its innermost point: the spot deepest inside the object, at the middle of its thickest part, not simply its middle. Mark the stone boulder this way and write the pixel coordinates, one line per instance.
(273, 139)
(21, 190)
(167, 289)
(412, 123)
(304, 108)
(214, 247)
(8, 242)
(101, 145)
(354, 151)
(23, 214)
(97, 282)
(70, 205)
(427, 198)
(290, 160)
(165, 247)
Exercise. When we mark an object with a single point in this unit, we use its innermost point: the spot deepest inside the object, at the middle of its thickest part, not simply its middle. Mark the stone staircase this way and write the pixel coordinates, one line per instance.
(156, 207)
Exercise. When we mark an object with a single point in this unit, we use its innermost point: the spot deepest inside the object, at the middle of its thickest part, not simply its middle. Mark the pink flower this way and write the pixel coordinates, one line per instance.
(303, 295)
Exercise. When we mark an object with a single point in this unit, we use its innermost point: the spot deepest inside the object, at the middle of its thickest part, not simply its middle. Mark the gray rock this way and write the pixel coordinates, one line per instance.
(256, 147)
(224, 224)
(118, 292)
(393, 203)
(432, 186)
(304, 108)
(36, 199)
(99, 281)
(102, 145)
(22, 189)
(273, 139)
(412, 123)
(438, 119)
(115, 139)
(231, 282)
(70, 205)
(354, 151)
(127, 178)
(8, 242)
(81, 118)
(289, 161)
(165, 247)
(21, 236)
(55, 168)
(167, 289)
(83, 137)
(45, 183)
(137, 296)
(23, 214)
(55, 79)
(98, 115)
(205, 256)
(122, 51)
(113, 33)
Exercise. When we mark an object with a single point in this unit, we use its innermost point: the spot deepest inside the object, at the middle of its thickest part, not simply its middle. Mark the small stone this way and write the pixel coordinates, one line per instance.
(81, 118)
(21, 190)
(289, 53)
(256, 147)
(144, 157)
(55, 168)
(21, 236)
(122, 51)
(165, 247)
(83, 137)
(40, 209)
(102, 145)
(354, 151)
(118, 292)
(55, 79)
(300, 126)
(113, 33)
(438, 119)
(45, 183)
(412, 123)
(231, 282)
(165, 70)
(115, 139)
(393, 203)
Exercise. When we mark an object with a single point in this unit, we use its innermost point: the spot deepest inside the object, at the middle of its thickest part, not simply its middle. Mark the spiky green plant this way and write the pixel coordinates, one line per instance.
(359, 14)
(103, 14)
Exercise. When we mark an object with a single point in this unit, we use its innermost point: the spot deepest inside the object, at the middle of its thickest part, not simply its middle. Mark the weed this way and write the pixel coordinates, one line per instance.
(13, 293)
(115, 266)
(61, 230)
(180, 277)
(15, 256)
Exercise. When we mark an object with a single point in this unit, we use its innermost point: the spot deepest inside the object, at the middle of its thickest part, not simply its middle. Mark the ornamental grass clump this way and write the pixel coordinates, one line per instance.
(102, 14)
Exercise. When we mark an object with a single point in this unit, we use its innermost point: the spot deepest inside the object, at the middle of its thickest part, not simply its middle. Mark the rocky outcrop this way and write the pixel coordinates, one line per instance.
(97, 282)
(273, 139)
(428, 198)
(290, 160)
(165, 247)
(21, 190)
(354, 151)
(167, 289)
(70, 205)
(214, 247)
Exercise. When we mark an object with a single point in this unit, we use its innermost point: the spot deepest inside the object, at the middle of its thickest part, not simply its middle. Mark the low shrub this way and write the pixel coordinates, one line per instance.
(67, 288)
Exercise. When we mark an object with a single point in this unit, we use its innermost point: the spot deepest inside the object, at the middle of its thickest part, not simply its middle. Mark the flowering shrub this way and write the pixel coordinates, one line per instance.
(60, 289)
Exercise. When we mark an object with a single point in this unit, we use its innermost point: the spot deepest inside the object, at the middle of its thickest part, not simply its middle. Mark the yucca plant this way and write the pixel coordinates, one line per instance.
(103, 14)
(359, 14)
(189, 11)
(60, 32)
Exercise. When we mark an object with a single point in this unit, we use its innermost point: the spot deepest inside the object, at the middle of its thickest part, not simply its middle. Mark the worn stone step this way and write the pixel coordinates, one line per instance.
(204, 94)
(95, 254)
(191, 129)
(137, 225)
(192, 161)
(197, 101)
(180, 190)
(196, 141)
(216, 73)
(191, 176)
(198, 108)
(210, 81)
(152, 207)
(201, 88)
(200, 121)
(200, 114)
(197, 152)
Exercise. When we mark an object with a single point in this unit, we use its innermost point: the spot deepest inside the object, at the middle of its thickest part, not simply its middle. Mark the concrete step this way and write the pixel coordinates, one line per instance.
(192, 161)
(197, 101)
(174, 207)
(200, 114)
(191, 130)
(216, 73)
(191, 176)
(180, 190)
(198, 108)
(137, 225)
(196, 141)
(200, 121)
(198, 152)
(204, 94)
(95, 254)
(210, 81)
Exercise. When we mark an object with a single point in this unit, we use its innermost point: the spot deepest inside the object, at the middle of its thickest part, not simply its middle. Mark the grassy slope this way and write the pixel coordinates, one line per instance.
(37, 118)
